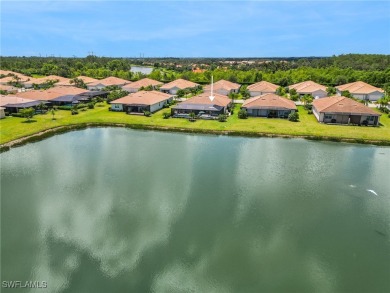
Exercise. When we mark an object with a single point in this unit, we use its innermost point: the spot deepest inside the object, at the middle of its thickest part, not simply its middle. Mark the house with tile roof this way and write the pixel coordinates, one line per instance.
(309, 88)
(13, 104)
(108, 81)
(141, 101)
(87, 80)
(361, 90)
(343, 110)
(269, 105)
(223, 87)
(142, 83)
(203, 105)
(178, 84)
(261, 88)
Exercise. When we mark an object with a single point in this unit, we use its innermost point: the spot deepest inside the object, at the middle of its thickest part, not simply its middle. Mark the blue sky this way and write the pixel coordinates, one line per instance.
(194, 28)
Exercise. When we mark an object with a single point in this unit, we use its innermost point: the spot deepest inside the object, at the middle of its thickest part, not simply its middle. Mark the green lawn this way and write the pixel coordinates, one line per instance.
(12, 128)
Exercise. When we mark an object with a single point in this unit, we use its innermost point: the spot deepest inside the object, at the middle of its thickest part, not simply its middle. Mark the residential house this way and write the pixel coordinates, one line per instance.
(109, 81)
(142, 83)
(261, 88)
(343, 110)
(141, 101)
(42, 80)
(309, 88)
(203, 104)
(87, 80)
(61, 95)
(269, 105)
(361, 90)
(13, 104)
(223, 87)
(178, 84)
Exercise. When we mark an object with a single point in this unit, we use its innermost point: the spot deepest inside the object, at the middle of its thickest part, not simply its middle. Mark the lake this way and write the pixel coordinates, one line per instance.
(142, 69)
(119, 210)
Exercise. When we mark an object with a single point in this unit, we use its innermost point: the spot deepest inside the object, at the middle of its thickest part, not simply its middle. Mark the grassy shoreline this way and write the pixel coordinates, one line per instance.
(15, 131)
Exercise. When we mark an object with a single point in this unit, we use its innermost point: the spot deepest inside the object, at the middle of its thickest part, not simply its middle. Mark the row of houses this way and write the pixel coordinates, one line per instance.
(208, 105)
(359, 89)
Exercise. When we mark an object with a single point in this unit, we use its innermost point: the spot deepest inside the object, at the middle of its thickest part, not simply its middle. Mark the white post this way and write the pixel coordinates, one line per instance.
(211, 92)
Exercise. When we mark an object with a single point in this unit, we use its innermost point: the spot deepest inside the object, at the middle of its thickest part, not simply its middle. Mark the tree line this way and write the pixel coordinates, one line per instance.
(329, 71)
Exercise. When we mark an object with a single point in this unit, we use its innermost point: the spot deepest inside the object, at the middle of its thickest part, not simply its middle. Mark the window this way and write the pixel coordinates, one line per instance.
(370, 118)
(328, 116)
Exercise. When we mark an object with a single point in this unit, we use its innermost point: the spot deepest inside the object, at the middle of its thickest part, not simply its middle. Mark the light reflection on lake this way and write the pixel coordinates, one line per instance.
(101, 210)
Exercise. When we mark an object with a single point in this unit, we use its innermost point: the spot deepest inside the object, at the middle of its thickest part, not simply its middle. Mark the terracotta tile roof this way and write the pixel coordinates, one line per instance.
(8, 99)
(8, 88)
(45, 79)
(6, 72)
(8, 79)
(269, 101)
(50, 94)
(307, 87)
(142, 83)
(223, 84)
(86, 80)
(204, 99)
(340, 104)
(143, 98)
(263, 86)
(179, 83)
(359, 87)
(111, 80)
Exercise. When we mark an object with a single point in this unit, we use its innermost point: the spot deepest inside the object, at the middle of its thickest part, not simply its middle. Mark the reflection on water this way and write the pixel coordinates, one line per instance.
(99, 209)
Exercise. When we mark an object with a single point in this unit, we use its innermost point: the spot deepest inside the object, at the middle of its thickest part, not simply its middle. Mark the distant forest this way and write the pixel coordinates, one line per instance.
(329, 71)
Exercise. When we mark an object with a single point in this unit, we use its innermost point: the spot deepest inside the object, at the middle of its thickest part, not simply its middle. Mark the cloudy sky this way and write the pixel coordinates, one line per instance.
(194, 28)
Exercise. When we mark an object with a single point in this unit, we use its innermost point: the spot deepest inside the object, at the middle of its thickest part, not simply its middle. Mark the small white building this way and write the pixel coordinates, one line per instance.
(109, 81)
(261, 88)
(178, 84)
(361, 90)
(142, 83)
(223, 87)
(309, 88)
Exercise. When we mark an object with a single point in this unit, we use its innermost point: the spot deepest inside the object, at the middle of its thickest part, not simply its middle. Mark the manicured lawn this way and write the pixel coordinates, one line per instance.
(12, 128)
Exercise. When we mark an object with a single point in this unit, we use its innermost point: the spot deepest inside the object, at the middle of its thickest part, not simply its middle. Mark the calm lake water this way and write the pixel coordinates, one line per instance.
(142, 69)
(118, 210)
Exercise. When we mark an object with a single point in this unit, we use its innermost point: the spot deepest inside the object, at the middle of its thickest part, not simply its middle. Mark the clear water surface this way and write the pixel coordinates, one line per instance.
(118, 210)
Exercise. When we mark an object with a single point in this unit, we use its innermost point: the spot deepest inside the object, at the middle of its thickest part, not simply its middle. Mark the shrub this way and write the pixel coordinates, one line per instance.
(222, 117)
(294, 117)
(147, 113)
(166, 115)
(64, 108)
(242, 114)
(192, 117)
(17, 115)
(310, 112)
(91, 105)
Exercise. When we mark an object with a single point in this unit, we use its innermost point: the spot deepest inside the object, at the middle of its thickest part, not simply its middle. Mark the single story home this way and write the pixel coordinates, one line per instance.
(13, 78)
(269, 105)
(223, 87)
(141, 101)
(361, 90)
(42, 80)
(13, 104)
(69, 82)
(178, 84)
(309, 88)
(145, 82)
(58, 95)
(203, 104)
(2, 112)
(109, 81)
(261, 88)
(9, 89)
(343, 110)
